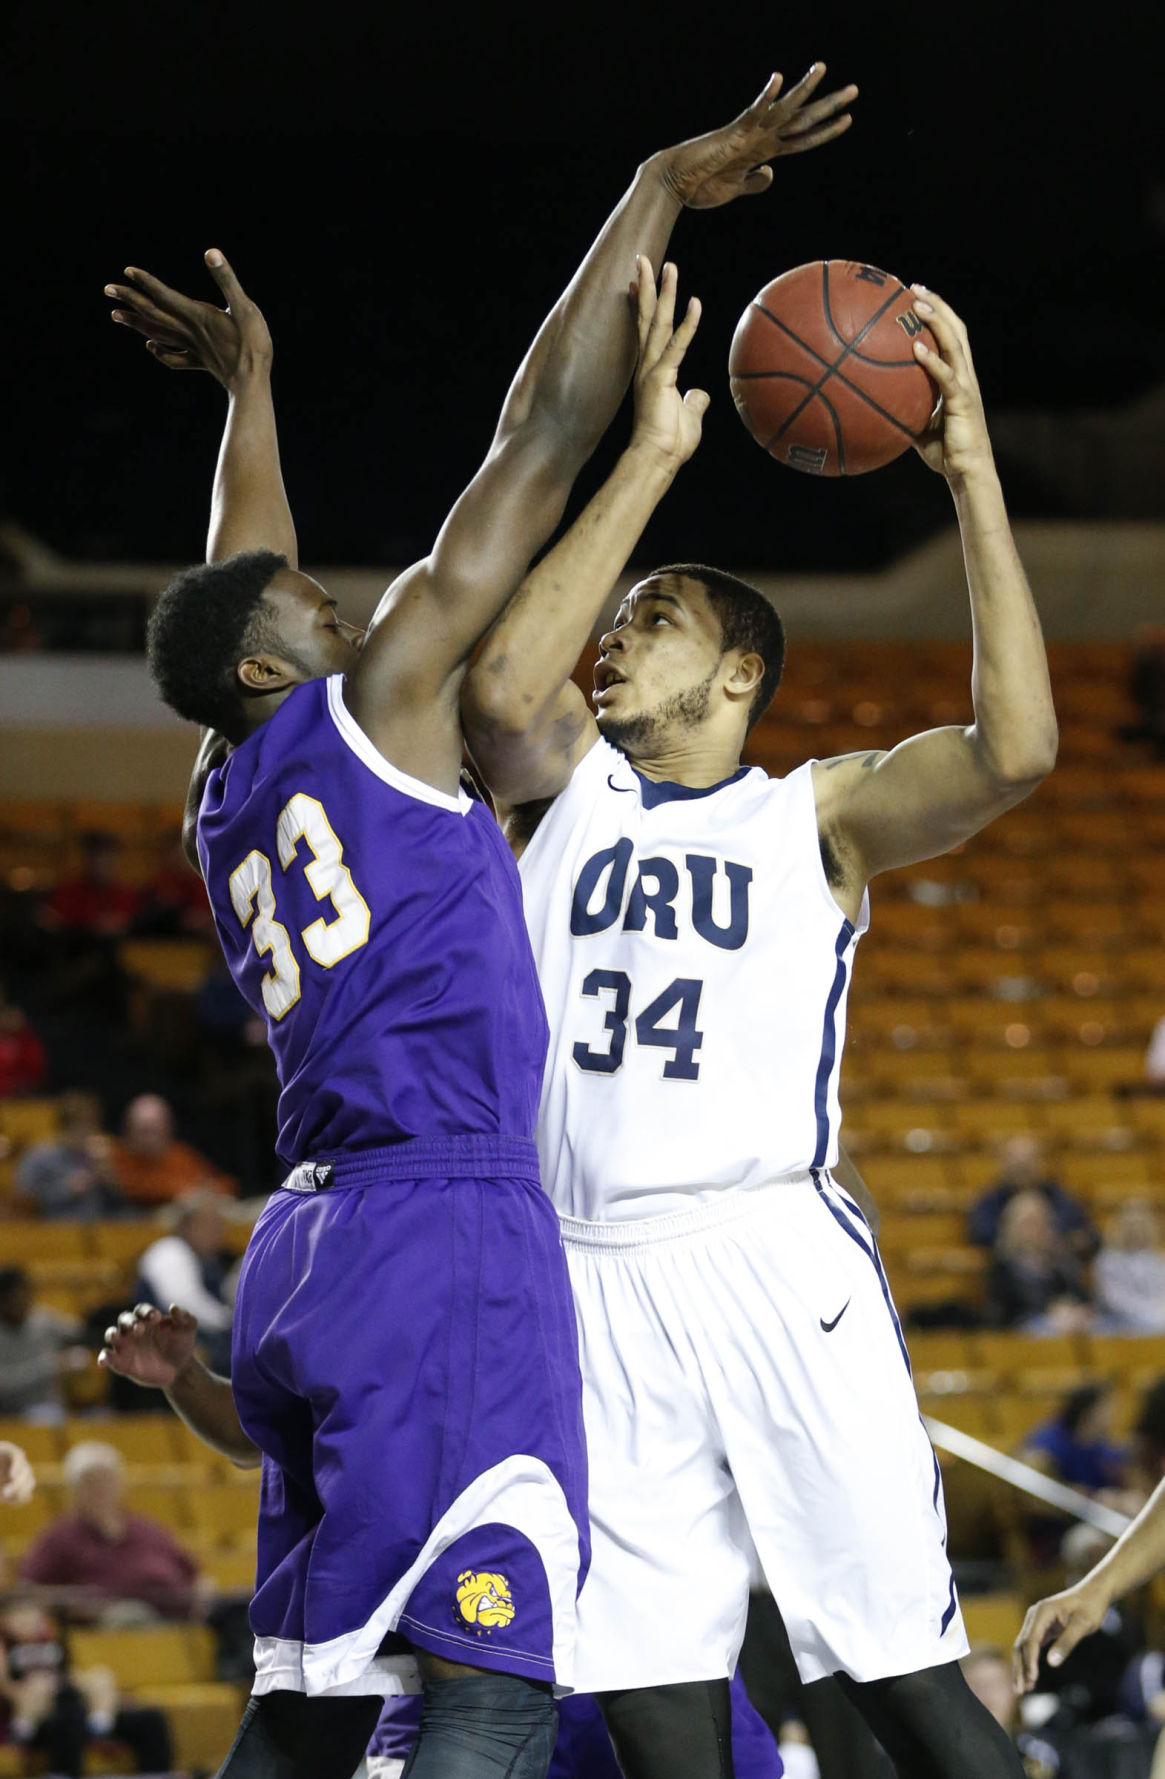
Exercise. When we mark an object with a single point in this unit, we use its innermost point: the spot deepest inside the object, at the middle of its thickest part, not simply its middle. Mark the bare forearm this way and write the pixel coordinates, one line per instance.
(533, 648)
(1015, 721)
(1138, 1553)
(207, 1405)
(580, 364)
(249, 509)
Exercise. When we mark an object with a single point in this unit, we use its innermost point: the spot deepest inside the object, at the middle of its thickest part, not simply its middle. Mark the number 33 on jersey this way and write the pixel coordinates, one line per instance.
(695, 968)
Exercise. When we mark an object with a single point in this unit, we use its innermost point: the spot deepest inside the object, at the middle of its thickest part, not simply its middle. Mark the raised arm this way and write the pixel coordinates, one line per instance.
(158, 1352)
(249, 509)
(560, 403)
(1067, 1617)
(880, 810)
(526, 723)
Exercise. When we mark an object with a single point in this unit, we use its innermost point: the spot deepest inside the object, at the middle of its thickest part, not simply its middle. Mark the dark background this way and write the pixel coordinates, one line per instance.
(406, 193)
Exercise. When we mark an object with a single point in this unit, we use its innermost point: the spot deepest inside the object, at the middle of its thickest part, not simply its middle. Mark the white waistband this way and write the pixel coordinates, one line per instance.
(648, 1232)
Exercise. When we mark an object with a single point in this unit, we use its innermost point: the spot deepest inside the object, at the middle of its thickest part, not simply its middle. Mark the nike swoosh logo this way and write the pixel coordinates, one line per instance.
(629, 788)
(828, 1327)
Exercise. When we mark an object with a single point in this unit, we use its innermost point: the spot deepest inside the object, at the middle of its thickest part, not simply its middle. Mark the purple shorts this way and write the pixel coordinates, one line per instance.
(405, 1358)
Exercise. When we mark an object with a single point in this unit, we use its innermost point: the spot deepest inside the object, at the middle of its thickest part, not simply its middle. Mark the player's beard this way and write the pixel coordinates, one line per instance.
(637, 734)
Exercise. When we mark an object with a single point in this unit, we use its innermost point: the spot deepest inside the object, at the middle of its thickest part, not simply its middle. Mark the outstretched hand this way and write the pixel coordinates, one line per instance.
(17, 1482)
(733, 162)
(148, 1347)
(956, 440)
(666, 423)
(185, 334)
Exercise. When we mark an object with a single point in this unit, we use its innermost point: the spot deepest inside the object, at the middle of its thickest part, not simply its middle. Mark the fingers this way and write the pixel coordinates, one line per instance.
(805, 87)
(698, 401)
(170, 302)
(1025, 1656)
(645, 298)
(175, 358)
(809, 116)
(945, 325)
(663, 319)
(672, 355)
(793, 143)
(758, 180)
(224, 277)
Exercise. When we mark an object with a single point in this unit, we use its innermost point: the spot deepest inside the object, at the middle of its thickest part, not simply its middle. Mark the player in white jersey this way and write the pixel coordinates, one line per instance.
(695, 922)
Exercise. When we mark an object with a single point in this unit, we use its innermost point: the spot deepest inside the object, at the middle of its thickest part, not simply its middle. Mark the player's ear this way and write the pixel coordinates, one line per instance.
(258, 674)
(745, 673)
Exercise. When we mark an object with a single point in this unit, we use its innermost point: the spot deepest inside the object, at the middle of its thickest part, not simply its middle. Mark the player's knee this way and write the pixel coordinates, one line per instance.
(682, 1731)
(499, 1719)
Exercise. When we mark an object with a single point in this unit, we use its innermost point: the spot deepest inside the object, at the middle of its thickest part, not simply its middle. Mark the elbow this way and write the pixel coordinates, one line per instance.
(1020, 767)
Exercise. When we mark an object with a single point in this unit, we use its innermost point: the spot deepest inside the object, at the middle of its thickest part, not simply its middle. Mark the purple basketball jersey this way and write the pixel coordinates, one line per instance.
(376, 923)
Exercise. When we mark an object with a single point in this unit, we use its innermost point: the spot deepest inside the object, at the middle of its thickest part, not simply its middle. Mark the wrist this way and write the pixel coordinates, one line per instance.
(650, 463)
(185, 1376)
(658, 170)
(975, 477)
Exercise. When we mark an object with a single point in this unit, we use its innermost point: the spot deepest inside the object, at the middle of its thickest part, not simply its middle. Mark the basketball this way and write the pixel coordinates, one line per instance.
(823, 371)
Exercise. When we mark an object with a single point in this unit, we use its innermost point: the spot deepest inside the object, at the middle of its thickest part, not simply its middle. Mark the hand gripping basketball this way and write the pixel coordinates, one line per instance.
(956, 442)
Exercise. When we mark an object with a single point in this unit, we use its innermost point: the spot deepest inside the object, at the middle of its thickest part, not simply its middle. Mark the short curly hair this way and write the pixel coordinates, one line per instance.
(747, 622)
(204, 623)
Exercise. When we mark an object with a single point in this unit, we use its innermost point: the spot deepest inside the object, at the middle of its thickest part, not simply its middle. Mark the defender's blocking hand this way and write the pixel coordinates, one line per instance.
(956, 441)
(148, 1347)
(667, 423)
(732, 162)
(185, 334)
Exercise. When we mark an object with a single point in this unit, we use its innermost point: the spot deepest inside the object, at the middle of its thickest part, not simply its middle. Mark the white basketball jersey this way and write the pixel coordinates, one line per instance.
(695, 968)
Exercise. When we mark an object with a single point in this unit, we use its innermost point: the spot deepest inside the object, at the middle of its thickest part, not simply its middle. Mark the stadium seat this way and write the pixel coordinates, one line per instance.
(28, 1121)
(146, 1439)
(227, 1509)
(124, 1243)
(992, 1619)
(26, 1240)
(203, 1718)
(149, 1656)
(1009, 1352)
(44, 1444)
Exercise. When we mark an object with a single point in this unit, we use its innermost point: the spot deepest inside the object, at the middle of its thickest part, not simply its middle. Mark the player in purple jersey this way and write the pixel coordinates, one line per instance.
(404, 1343)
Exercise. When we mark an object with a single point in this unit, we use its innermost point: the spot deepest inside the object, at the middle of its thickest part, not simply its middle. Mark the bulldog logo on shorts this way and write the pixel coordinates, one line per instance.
(484, 1600)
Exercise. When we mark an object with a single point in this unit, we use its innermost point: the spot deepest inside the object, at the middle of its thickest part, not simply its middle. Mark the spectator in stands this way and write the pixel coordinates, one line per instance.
(36, 1346)
(23, 1063)
(1129, 1275)
(1025, 1170)
(1077, 1447)
(72, 1176)
(988, 1674)
(58, 1714)
(186, 1268)
(175, 904)
(17, 1482)
(94, 901)
(151, 1166)
(109, 1555)
(1035, 1281)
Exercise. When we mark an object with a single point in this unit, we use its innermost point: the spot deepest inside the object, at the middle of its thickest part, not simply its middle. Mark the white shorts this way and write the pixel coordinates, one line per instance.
(746, 1387)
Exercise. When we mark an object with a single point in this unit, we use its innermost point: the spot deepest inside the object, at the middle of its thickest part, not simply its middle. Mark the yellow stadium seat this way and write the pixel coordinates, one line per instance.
(1010, 1352)
(141, 1439)
(124, 1243)
(1083, 876)
(1123, 1355)
(231, 1570)
(1144, 967)
(1103, 1066)
(989, 1122)
(24, 1240)
(1147, 1116)
(168, 966)
(28, 1121)
(44, 1445)
(913, 1230)
(1093, 1119)
(993, 1621)
(902, 971)
(940, 1350)
(1011, 931)
(968, 1413)
(147, 1656)
(160, 1501)
(203, 1718)
(226, 1509)
(1000, 1025)
(1106, 1178)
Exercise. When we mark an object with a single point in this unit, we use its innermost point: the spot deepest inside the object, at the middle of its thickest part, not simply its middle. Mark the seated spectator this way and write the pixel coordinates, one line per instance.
(175, 904)
(1025, 1170)
(150, 1165)
(1076, 1446)
(72, 1176)
(36, 1346)
(94, 901)
(59, 1715)
(1129, 1274)
(23, 1063)
(1034, 1280)
(186, 1268)
(108, 1554)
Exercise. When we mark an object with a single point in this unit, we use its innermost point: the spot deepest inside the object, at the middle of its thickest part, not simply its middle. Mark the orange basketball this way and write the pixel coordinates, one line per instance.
(823, 371)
